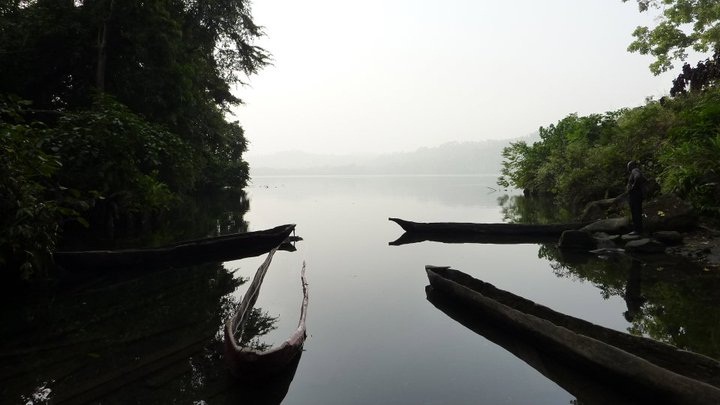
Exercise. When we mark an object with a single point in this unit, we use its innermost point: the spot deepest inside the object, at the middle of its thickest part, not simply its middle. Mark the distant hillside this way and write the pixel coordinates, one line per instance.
(450, 158)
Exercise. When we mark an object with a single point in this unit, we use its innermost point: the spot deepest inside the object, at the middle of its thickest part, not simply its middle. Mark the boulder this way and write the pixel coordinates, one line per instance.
(669, 238)
(605, 241)
(595, 210)
(577, 240)
(669, 213)
(631, 236)
(645, 245)
(610, 225)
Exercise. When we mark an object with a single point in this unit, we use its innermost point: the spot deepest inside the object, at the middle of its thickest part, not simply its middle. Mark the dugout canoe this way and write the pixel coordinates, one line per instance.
(218, 248)
(653, 369)
(248, 363)
(584, 386)
(486, 229)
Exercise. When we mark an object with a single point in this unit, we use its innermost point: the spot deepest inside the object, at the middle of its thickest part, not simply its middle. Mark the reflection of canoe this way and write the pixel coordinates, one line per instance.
(271, 391)
(497, 229)
(446, 237)
(652, 368)
(218, 248)
(251, 363)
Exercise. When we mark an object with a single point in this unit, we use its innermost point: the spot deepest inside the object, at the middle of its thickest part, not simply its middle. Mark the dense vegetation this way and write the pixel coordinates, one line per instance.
(580, 159)
(112, 111)
(676, 139)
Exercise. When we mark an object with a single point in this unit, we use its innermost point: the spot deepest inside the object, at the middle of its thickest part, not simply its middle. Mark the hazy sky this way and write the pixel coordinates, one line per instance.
(395, 75)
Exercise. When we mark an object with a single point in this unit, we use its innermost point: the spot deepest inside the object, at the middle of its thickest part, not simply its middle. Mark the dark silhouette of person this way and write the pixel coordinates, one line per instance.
(635, 185)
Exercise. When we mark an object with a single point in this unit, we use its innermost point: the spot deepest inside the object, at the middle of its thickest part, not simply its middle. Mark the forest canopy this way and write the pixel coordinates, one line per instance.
(111, 110)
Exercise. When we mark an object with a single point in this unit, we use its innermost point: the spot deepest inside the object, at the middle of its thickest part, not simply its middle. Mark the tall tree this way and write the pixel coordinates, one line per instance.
(682, 25)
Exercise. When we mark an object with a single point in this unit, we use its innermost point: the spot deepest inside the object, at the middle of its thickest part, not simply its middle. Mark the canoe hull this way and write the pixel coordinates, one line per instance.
(252, 364)
(225, 247)
(496, 229)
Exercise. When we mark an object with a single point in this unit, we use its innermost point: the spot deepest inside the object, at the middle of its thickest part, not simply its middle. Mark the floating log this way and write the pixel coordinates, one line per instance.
(218, 248)
(480, 229)
(255, 364)
(654, 369)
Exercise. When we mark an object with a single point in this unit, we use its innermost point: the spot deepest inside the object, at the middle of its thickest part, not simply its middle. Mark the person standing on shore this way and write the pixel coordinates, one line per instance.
(635, 185)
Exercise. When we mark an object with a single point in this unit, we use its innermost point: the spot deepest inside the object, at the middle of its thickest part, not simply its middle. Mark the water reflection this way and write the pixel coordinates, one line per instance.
(134, 336)
(519, 209)
(132, 333)
(669, 299)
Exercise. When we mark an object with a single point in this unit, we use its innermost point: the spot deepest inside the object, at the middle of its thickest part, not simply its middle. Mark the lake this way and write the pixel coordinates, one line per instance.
(373, 336)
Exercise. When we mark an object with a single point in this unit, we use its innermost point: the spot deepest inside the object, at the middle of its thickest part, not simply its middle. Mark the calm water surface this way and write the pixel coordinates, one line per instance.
(373, 337)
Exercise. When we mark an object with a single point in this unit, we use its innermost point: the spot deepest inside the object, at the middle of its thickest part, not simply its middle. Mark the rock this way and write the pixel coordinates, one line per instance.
(610, 225)
(630, 237)
(605, 241)
(669, 238)
(669, 212)
(577, 240)
(595, 210)
(645, 245)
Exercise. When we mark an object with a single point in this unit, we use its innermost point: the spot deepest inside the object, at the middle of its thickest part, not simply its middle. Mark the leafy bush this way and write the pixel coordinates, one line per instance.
(690, 158)
(115, 153)
(29, 225)
(580, 159)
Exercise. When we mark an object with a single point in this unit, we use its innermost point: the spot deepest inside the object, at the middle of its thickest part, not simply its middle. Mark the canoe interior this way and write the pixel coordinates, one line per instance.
(253, 364)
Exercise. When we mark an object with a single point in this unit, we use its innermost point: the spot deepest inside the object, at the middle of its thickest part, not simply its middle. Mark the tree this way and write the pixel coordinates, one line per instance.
(172, 62)
(683, 25)
(122, 101)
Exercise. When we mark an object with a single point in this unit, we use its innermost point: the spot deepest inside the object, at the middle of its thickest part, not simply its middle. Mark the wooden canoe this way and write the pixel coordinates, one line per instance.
(253, 364)
(584, 386)
(651, 368)
(218, 248)
(495, 229)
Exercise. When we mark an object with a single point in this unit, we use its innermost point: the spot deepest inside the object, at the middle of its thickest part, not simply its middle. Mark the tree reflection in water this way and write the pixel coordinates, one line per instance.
(668, 298)
(134, 337)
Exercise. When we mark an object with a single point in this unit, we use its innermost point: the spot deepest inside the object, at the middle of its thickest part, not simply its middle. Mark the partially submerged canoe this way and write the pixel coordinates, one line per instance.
(654, 369)
(255, 364)
(225, 247)
(496, 229)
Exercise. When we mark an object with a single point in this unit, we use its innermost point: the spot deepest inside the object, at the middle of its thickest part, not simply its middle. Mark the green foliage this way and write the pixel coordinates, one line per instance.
(128, 100)
(113, 152)
(683, 25)
(690, 162)
(575, 160)
(170, 62)
(29, 225)
(581, 159)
